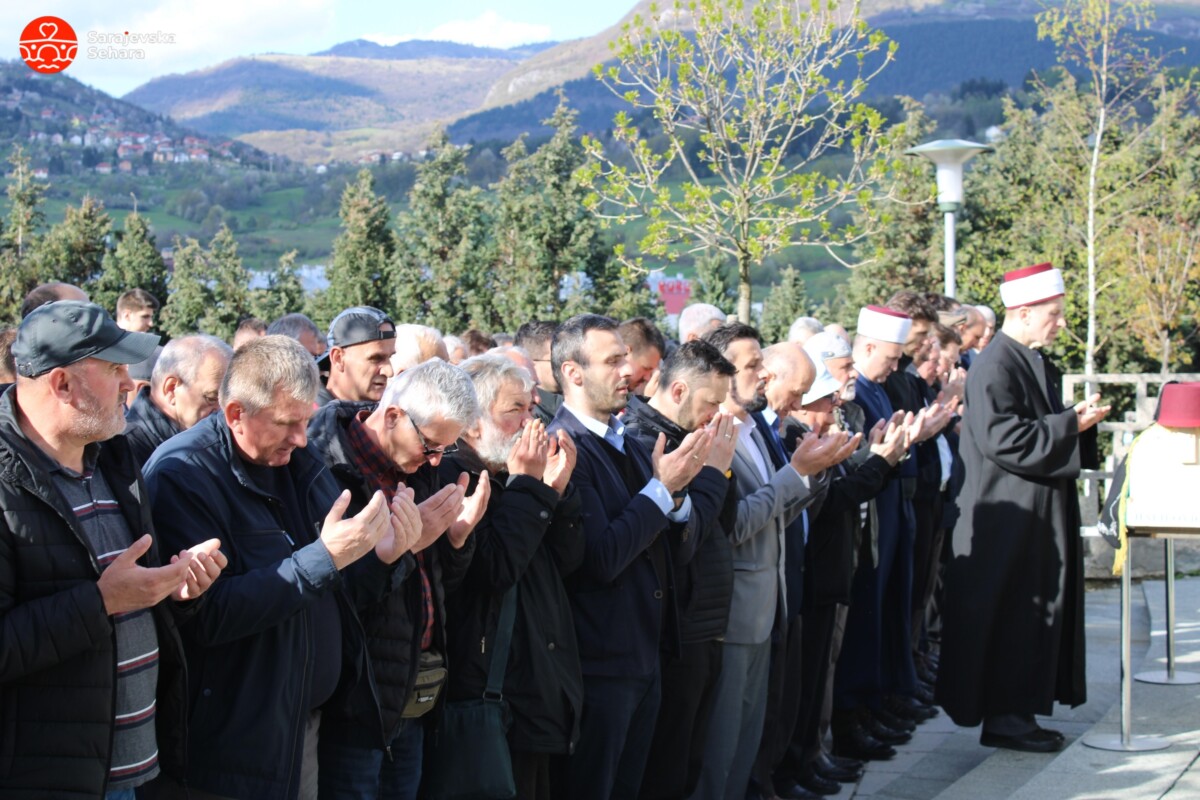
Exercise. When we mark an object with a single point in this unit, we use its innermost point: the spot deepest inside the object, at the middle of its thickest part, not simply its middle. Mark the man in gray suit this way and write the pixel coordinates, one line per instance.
(772, 491)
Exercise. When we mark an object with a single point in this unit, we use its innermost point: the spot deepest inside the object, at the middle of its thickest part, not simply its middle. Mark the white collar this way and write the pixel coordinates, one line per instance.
(597, 427)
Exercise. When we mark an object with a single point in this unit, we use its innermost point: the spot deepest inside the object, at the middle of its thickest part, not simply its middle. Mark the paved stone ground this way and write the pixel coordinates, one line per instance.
(945, 762)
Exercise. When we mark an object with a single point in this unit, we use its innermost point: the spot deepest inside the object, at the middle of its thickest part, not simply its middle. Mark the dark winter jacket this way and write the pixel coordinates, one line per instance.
(58, 668)
(703, 583)
(547, 406)
(146, 427)
(250, 648)
(529, 538)
(366, 709)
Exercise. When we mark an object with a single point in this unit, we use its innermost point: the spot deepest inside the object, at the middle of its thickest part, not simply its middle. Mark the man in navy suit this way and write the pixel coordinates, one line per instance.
(621, 596)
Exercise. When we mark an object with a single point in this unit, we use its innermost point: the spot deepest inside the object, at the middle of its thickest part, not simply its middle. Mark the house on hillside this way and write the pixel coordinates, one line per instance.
(41, 173)
(196, 154)
(104, 168)
(125, 166)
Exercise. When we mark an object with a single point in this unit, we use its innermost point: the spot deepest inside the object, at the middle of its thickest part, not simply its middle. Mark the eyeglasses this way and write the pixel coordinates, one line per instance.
(428, 451)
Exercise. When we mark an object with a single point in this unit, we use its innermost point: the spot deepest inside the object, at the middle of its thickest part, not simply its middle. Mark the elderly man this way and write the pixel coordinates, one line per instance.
(535, 337)
(361, 343)
(621, 596)
(375, 729)
(697, 319)
(183, 390)
(416, 344)
(694, 382)
(265, 648)
(803, 329)
(92, 684)
(1012, 633)
(530, 537)
(772, 491)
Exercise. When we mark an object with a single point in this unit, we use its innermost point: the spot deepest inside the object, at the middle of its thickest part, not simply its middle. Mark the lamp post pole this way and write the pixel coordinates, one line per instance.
(949, 155)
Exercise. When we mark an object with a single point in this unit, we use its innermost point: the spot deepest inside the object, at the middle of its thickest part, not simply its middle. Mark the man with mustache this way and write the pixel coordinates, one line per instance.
(529, 538)
(621, 596)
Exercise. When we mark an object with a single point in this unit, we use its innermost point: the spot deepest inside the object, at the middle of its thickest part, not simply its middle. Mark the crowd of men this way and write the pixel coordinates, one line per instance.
(262, 569)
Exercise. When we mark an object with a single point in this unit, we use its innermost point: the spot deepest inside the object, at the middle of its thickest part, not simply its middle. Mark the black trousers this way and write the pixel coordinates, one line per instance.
(689, 691)
(816, 644)
(927, 554)
(783, 703)
(539, 776)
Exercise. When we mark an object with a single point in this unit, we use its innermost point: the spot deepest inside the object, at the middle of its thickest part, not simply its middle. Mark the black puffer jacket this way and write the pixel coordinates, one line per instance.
(366, 709)
(703, 582)
(146, 427)
(530, 538)
(57, 645)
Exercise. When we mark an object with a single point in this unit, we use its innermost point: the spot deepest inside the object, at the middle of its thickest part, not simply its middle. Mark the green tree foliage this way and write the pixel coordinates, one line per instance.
(903, 246)
(230, 287)
(284, 293)
(620, 291)
(755, 85)
(442, 271)
(712, 280)
(134, 263)
(190, 295)
(357, 273)
(25, 196)
(786, 301)
(543, 231)
(73, 250)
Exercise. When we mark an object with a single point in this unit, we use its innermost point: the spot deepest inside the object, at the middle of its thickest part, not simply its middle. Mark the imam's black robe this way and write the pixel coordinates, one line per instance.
(1012, 639)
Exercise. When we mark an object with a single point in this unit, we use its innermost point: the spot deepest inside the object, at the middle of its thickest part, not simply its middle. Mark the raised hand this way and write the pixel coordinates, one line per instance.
(127, 586)
(474, 506)
(1089, 412)
(404, 530)
(724, 441)
(207, 561)
(437, 512)
(890, 444)
(560, 462)
(528, 455)
(347, 540)
(677, 468)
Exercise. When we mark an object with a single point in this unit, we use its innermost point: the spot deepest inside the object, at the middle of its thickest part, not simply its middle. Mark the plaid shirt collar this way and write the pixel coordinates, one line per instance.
(368, 457)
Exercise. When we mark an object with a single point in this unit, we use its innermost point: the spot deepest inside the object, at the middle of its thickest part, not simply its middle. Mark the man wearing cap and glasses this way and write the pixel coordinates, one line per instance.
(85, 666)
(361, 343)
(372, 730)
(1012, 630)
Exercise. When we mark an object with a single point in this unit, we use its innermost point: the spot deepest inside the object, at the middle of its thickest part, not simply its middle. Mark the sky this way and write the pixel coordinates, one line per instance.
(207, 32)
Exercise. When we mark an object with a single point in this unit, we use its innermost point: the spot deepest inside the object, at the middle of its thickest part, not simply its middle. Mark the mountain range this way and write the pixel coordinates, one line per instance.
(361, 97)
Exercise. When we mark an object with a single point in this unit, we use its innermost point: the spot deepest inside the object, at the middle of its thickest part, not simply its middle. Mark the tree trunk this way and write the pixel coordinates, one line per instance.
(1164, 338)
(744, 290)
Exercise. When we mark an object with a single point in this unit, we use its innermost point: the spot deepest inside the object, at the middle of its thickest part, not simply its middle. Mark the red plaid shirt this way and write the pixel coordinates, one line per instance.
(383, 474)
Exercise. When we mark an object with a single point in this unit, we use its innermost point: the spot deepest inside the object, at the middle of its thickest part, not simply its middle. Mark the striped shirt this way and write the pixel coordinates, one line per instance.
(134, 757)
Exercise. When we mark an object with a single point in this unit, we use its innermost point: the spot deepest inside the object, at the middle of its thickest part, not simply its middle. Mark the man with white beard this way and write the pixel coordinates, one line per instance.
(530, 537)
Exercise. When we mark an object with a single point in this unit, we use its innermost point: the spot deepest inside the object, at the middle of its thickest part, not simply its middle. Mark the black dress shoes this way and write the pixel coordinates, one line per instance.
(910, 708)
(885, 734)
(834, 768)
(855, 742)
(798, 792)
(815, 783)
(1038, 740)
(902, 724)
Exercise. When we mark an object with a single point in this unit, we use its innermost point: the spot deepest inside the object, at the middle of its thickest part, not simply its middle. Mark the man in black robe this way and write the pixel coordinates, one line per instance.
(1012, 640)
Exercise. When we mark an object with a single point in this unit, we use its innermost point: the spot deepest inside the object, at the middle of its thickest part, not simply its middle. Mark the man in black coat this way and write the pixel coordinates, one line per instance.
(693, 383)
(621, 595)
(1012, 636)
(92, 685)
(530, 538)
(534, 337)
(183, 390)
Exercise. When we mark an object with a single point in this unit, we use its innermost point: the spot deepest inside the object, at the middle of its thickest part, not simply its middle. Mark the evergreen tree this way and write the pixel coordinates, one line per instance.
(362, 252)
(134, 263)
(284, 293)
(230, 281)
(190, 296)
(16, 279)
(784, 302)
(712, 285)
(25, 196)
(73, 250)
(620, 291)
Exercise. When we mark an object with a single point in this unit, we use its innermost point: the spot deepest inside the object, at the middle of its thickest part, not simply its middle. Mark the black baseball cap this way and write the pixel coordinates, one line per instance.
(66, 331)
(358, 325)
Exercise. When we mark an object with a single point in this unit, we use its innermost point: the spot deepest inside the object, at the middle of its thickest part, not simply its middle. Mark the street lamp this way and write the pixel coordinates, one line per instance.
(949, 155)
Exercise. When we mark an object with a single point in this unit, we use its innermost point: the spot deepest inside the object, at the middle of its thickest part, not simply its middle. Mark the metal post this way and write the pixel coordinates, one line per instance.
(950, 255)
(1170, 676)
(1126, 741)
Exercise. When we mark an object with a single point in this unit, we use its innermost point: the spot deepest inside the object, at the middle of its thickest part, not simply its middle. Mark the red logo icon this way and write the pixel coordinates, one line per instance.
(48, 45)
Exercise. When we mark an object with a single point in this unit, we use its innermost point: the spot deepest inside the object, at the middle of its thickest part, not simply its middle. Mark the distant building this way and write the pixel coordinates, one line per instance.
(125, 166)
(104, 168)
